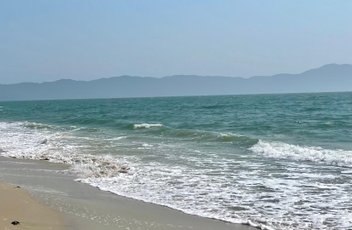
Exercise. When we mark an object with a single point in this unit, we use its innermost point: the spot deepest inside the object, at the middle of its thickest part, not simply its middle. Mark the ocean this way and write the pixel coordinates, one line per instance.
(270, 161)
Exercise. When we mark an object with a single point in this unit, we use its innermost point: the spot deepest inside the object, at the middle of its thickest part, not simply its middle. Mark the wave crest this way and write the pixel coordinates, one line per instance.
(146, 126)
(337, 157)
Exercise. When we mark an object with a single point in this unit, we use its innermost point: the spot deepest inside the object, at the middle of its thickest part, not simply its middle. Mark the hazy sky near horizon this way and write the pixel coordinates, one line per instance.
(49, 40)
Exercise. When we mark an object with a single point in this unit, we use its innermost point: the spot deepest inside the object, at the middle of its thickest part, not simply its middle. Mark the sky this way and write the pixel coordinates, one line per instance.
(83, 40)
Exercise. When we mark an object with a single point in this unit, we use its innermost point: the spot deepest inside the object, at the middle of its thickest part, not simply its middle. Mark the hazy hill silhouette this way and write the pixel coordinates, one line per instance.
(328, 78)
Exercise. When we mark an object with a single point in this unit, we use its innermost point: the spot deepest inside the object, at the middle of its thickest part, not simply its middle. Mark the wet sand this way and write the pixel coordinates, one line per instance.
(73, 205)
(17, 205)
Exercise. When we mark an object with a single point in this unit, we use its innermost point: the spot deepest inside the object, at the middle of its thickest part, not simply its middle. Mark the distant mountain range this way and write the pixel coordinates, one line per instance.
(328, 78)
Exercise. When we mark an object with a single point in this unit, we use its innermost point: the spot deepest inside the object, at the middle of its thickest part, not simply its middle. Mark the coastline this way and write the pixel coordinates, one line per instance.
(75, 205)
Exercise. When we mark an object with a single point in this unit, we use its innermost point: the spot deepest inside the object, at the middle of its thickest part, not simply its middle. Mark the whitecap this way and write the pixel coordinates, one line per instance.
(146, 126)
(318, 154)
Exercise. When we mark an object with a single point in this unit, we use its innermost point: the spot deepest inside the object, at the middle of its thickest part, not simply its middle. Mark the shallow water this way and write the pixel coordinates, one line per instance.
(274, 161)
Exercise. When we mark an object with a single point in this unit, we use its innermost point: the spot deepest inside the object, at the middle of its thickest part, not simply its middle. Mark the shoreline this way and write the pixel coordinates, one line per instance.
(85, 207)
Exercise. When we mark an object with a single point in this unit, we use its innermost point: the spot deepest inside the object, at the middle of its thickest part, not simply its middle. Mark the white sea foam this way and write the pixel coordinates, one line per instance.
(146, 126)
(303, 153)
(145, 146)
(229, 135)
(17, 141)
(116, 138)
(298, 197)
(204, 181)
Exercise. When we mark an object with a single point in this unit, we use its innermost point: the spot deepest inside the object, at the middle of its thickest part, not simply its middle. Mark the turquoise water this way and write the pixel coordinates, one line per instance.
(271, 161)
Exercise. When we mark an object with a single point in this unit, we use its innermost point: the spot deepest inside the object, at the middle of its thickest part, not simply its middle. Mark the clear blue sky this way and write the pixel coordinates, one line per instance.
(46, 40)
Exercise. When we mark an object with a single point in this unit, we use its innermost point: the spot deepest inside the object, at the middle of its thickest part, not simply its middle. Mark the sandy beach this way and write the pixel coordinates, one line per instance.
(49, 198)
(18, 205)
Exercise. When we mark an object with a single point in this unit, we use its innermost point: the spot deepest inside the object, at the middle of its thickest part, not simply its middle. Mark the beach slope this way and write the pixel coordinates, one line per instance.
(18, 205)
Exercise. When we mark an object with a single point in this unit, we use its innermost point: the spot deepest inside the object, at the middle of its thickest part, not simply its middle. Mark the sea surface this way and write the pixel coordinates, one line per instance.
(271, 161)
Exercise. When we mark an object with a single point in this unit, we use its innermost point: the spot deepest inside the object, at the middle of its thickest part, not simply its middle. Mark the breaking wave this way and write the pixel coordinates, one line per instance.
(20, 140)
(146, 126)
(273, 149)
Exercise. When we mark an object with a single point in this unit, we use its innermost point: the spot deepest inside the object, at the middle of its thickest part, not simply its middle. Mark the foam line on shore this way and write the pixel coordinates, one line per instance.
(87, 208)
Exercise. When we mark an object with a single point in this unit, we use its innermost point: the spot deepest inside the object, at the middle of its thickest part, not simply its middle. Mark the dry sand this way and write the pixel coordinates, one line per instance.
(17, 205)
